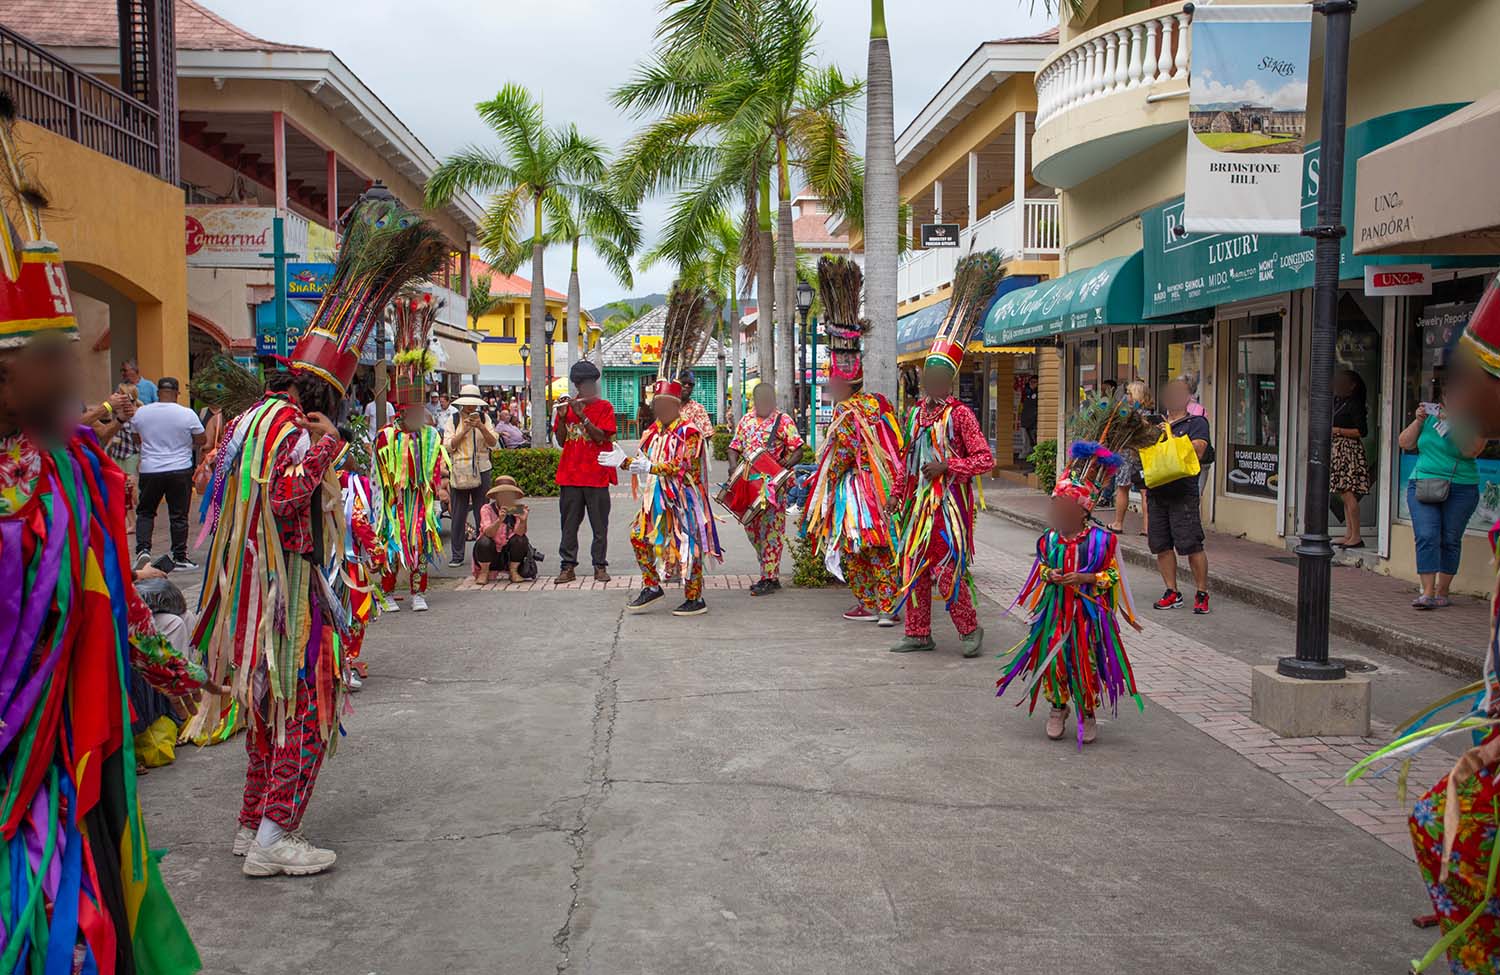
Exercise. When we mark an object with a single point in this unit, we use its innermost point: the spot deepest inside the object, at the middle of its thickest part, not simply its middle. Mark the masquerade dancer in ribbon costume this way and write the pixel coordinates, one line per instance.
(79, 887)
(1075, 591)
(271, 624)
(945, 452)
(1454, 824)
(354, 582)
(409, 461)
(858, 475)
(676, 522)
(769, 429)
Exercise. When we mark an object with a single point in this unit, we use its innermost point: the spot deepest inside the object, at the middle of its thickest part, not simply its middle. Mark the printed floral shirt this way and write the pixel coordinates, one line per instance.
(756, 432)
(20, 466)
(695, 414)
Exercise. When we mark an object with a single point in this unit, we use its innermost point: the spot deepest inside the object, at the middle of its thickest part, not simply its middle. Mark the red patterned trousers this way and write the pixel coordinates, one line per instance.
(872, 576)
(919, 607)
(418, 581)
(767, 533)
(280, 778)
(645, 557)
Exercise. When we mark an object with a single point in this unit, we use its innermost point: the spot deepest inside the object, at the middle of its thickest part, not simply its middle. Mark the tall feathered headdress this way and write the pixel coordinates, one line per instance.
(415, 314)
(974, 282)
(1102, 429)
(385, 247)
(840, 286)
(684, 337)
(226, 385)
(34, 295)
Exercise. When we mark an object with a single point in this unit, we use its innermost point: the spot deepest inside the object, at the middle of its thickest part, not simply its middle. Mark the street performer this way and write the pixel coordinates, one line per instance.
(410, 461)
(271, 625)
(676, 523)
(769, 429)
(81, 890)
(945, 452)
(850, 495)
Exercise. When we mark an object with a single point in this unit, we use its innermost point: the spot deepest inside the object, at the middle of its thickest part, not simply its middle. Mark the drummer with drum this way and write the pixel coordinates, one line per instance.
(765, 446)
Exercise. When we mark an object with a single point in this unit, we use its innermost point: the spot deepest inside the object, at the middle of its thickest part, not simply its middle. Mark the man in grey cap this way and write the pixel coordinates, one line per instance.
(584, 425)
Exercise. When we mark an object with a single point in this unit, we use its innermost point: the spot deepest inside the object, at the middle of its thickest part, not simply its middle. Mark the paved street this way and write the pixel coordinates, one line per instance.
(536, 782)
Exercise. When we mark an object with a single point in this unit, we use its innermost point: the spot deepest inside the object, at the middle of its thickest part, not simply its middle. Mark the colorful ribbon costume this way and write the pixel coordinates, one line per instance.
(408, 469)
(676, 523)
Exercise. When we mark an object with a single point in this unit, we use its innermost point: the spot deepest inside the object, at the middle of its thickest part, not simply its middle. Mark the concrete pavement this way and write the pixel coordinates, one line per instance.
(537, 782)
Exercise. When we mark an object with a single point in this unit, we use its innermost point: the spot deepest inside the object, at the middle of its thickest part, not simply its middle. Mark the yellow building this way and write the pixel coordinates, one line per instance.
(1112, 139)
(506, 328)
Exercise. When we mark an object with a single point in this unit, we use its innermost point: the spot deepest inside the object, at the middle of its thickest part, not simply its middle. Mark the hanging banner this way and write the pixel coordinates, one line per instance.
(1247, 118)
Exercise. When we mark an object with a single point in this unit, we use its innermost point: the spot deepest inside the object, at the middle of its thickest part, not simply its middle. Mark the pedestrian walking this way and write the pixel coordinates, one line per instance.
(1441, 495)
(169, 432)
(767, 429)
(585, 426)
(503, 545)
(1174, 521)
(1349, 468)
(469, 439)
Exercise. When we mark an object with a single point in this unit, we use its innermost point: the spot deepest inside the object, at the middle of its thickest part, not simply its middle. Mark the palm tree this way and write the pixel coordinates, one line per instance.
(548, 170)
(614, 233)
(881, 205)
(620, 315)
(481, 302)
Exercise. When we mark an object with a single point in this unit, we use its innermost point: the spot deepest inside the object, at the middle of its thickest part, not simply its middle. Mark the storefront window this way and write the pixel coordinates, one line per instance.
(1128, 355)
(1179, 353)
(1253, 464)
(1086, 374)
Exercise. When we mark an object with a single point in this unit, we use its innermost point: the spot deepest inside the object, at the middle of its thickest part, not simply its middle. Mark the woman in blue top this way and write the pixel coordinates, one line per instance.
(1445, 452)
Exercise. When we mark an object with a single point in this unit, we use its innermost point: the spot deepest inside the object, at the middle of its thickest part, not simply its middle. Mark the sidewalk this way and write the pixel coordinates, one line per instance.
(1372, 609)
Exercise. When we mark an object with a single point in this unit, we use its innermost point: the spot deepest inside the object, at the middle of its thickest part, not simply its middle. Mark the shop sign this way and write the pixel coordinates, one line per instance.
(645, 348)
(309, 282)
(1185, 271)
(234, 236)
(939, 235)
(1254, 470)
(1439, 325)
(1398, 279)
(1247, 118)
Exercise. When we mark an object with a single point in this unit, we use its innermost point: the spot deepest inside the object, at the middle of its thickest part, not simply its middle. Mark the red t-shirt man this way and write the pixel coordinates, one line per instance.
(582, 484)
(579, 465)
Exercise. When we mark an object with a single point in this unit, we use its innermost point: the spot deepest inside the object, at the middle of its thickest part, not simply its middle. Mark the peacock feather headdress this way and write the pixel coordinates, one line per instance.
(684, 336)
(1103, 428)
(974, 282)
(840, 288)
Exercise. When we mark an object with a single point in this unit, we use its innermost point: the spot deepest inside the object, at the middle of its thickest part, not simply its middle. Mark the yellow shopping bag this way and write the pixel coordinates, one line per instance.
(1169, 459)
(156, 746)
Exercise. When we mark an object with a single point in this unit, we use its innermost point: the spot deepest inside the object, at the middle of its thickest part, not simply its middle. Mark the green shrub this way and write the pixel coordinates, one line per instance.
(808, 570)
(1044, 463)
(807, 456)
(720, 439)
(534, 468)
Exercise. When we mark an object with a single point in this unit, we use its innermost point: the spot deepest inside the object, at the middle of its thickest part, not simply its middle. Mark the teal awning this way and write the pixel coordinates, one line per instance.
(1109, 293)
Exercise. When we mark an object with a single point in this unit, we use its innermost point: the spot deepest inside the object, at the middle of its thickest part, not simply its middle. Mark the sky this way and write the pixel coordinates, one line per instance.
(1251, 63)
(430, 62)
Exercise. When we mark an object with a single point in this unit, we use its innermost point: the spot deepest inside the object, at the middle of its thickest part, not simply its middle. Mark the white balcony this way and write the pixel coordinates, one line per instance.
(1028, 231)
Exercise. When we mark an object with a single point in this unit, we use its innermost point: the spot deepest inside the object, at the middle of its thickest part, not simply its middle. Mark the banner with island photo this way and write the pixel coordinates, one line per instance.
(1247, 118)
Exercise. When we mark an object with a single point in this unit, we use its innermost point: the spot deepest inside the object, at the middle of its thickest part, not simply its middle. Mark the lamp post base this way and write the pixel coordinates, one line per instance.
(1310, 669)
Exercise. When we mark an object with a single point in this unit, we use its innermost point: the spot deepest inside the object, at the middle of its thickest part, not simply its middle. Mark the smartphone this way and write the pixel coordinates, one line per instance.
(164, 563)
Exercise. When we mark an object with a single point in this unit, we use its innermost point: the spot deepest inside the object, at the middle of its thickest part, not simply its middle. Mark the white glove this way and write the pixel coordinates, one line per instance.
(640, 466)
(612, 457)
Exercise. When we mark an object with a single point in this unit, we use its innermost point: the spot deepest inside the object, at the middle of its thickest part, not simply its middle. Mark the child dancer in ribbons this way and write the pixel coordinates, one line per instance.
(1075, 596)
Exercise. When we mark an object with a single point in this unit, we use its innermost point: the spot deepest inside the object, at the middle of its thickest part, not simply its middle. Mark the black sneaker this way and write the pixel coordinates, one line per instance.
(184, 563)
(773, 585)
(691, 607)
(764, 587)
(1200, 603)
(1170, 599)
(455, 563)
(142, 558)
(648, 597)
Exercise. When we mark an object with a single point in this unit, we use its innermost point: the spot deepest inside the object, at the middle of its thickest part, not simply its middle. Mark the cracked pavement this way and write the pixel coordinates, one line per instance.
(540, 783)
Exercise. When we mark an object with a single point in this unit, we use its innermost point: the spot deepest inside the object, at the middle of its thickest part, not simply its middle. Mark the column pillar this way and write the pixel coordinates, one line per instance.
(973, 188)
(937, 201)
(1019, 185)
(333, 191)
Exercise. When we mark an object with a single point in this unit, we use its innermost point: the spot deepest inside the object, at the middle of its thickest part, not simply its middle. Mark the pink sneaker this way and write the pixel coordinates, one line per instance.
(1057, 723)
(859, 614)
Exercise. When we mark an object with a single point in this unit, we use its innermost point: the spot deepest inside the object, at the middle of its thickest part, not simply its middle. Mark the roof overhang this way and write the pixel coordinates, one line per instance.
(329, 82)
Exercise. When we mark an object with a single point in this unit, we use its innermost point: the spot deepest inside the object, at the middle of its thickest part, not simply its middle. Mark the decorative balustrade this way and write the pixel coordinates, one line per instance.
(1141, 50)
(1033, 231)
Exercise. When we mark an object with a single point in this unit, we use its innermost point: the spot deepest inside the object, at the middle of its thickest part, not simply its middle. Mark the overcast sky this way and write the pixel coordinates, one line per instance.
(432, 61)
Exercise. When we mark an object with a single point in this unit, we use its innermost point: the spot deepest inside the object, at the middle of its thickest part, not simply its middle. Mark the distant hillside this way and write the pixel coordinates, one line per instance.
(604, 311)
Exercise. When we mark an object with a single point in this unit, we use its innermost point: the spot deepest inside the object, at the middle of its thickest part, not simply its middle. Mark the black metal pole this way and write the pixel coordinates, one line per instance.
(1314, 554)
(802, 387)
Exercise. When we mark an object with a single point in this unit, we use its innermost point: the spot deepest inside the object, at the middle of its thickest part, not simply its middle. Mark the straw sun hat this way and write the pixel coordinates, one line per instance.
(506, 490)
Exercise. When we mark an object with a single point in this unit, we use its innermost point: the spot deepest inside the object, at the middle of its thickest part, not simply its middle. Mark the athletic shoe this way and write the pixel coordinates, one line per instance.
(184, 563)
(388, 605)
(859, 614)
(291, 855)
(354, 681)
(691, 607)
(1057, 723)
(601, 574)
(244, 839)
(456, 563)
(773, 585)
(1200, 603)
(142, 559)
(1170, 599)
(648, 597)
(973, 642)
(1090, 729)
(914, 644)
(761, 587)
(887, 620)
(418, 603)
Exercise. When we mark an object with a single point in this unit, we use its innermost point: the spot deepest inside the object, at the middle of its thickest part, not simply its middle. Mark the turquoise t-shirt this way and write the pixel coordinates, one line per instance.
(1441, 456)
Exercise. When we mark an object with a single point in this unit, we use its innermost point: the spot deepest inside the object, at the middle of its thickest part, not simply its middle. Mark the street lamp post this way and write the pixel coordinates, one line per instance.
(804, 305)
(551, 322)
(526, 369)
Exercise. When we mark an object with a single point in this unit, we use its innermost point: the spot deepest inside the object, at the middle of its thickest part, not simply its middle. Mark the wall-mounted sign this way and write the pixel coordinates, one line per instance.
(1254, 470)
(1247, 118)
(308, 281)
(1398, 279)
(237, 236)
(939, 235)
(645, 348)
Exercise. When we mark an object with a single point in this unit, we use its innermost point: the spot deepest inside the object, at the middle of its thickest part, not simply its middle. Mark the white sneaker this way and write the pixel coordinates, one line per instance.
(389, 605)
(244, 839)
(418, 603)
(291, 855)
(353, 682)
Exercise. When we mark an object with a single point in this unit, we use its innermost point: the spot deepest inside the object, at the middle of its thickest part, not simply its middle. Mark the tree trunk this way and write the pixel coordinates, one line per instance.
(718, 410)
(573, 316)
(881, 213)
(765, 289)
(786, 297)
(736, 355)
(536, 337)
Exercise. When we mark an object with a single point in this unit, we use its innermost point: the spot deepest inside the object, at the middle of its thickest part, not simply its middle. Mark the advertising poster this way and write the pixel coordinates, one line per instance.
(1254, 470)
(308, 282)
(1247, 118)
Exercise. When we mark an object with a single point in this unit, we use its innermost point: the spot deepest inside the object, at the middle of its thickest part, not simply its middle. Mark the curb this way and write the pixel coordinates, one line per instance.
(1377, 636)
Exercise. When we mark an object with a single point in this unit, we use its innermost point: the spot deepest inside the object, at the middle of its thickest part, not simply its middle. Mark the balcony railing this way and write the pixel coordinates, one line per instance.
(54, 95)
(1138, 51)
(1030, 232)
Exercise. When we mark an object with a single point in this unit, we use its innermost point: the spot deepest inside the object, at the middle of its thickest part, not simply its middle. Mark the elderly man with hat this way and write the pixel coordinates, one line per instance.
(469, 438)
(584, 425)
(502, 544)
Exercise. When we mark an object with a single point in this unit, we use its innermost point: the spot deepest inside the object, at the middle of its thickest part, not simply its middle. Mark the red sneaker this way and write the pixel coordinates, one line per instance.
(859, 615)
(1200, 603)
(1170, 599)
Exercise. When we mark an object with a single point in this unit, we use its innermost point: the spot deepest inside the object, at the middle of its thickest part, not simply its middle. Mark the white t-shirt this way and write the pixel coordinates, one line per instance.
(166, 431)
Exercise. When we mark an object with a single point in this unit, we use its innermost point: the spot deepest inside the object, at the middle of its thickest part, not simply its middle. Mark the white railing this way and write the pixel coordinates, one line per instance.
(1143, 49)
(1034, 234)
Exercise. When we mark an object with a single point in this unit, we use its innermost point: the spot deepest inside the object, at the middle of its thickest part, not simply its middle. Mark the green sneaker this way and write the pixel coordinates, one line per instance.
(972, 643)
(914, 644)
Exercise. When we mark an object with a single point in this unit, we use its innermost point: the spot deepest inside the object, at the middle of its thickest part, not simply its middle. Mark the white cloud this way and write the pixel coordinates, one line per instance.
(431, 63)
(1291, 96)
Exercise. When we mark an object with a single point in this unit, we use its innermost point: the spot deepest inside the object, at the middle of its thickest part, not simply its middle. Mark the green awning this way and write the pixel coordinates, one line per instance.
(1109, 293)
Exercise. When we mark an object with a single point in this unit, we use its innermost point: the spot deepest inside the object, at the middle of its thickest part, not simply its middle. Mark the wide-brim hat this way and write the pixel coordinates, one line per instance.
(469, 395)
(506, 489)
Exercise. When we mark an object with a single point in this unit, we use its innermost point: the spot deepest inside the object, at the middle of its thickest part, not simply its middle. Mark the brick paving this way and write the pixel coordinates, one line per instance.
(631, 582)
(1367, 607)
(1211, 692)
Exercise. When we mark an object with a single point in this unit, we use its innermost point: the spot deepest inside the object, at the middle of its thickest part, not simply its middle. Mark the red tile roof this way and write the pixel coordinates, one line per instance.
(95, 23)
(813, 229)
(1047, 37)
(508, 285)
